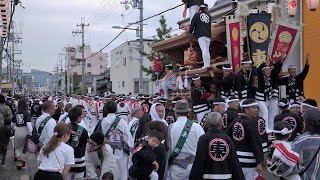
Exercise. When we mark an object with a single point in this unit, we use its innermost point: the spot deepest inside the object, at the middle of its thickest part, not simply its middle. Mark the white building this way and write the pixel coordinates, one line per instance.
(125, 69)
(95, 65)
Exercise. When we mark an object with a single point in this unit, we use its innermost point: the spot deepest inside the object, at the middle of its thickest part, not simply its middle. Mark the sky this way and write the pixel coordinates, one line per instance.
(46, 26)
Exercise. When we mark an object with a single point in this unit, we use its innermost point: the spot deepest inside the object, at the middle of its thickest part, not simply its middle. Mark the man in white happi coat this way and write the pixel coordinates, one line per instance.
(93, 113)
(180, 166)
(77, 101)
(169, 81)
(119, 138)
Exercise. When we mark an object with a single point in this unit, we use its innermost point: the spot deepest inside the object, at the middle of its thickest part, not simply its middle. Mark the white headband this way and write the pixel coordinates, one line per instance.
(232, 100)
(292, 67)
(295, 105)
(265, 68)
(282, 104)
(308, 105)
(196, 78)
(224, 68)
(284, 131)
(217, 103)
(174, 102)
(249, 105)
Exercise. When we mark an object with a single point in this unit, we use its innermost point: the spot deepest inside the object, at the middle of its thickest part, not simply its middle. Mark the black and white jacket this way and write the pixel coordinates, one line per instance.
(243, 85)
(79, 150)
(199, 105)
(268, 88)
(216, 158)
(294, 87)
(229, 116)
(247, 141)
(261, 125)
(225, 85)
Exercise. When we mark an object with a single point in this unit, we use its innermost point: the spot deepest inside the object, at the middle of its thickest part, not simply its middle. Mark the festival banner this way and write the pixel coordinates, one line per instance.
(258, 37)
(235, 41)
(284, 39)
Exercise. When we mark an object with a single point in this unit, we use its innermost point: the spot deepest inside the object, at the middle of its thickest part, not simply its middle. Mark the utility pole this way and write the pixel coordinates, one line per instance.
(82, 25)
(141, 46)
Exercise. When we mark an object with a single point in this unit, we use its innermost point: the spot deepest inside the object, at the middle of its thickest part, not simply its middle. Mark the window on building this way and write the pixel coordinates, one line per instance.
(100, 58)
(101, 66)
(89, 65)
(102, 73)
(124, 61)
(72, 58)
(136, 87)
(88, 73)
(145, 87)
(75, 73)
(122, 83)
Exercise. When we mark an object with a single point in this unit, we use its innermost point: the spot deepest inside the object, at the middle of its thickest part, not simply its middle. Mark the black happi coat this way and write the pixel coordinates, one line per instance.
(229, 116)
(142, 160)
(80, 149)
(247, 141)
(268, 88)
(294, 87)
(261, 125)
(199, 105)
(225, 85)
(216, 155)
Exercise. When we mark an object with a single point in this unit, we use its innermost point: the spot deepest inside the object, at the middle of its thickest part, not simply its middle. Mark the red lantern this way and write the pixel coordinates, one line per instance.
(190, 57)
(313, 4)
(157, 65)
(292, 7)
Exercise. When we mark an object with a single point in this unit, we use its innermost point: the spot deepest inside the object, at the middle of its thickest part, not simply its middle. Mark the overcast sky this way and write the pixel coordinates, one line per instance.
(47, 26)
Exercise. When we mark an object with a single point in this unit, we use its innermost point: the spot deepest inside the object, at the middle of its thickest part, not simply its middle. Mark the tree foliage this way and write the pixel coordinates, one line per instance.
(163, 32)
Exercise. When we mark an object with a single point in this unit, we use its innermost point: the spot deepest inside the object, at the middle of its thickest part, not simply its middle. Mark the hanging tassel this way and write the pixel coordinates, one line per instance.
(276, 13)
(242, 12)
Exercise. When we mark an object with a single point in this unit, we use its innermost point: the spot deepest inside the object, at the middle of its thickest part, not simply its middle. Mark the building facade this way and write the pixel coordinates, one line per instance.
(95, 66)
(125, 69)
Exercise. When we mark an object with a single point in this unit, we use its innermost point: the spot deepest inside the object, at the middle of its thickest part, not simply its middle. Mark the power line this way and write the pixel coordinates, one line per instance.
(133, 24)
(102, 11)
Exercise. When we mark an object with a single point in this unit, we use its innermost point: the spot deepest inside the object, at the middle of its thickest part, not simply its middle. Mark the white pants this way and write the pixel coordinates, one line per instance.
(268, 110)
(193, 10)
(178, 173)
(200, 115)
(74, 175)
(154, 176)
(165, 86)
(122, 163)
(204, 43)
(250, 173)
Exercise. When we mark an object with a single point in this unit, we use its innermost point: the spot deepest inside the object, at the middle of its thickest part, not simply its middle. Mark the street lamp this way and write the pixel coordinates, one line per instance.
(125, 28)
(138, 34)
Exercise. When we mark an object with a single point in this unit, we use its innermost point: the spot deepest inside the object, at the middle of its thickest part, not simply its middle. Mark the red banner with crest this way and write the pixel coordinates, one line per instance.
(283, 42)
(234, 33)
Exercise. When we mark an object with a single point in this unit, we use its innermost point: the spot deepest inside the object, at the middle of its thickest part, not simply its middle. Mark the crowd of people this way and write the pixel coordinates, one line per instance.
(239, 131)
(146, 137)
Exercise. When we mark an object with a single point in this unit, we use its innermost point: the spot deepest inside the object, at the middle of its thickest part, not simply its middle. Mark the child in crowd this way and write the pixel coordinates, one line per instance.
(99, 158)
(56, 157)
(144, 160)
(283, 162)
(107, 176)
(5, 134)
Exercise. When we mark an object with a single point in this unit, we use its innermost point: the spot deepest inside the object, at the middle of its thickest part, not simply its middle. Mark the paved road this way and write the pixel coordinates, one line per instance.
(9, 172)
